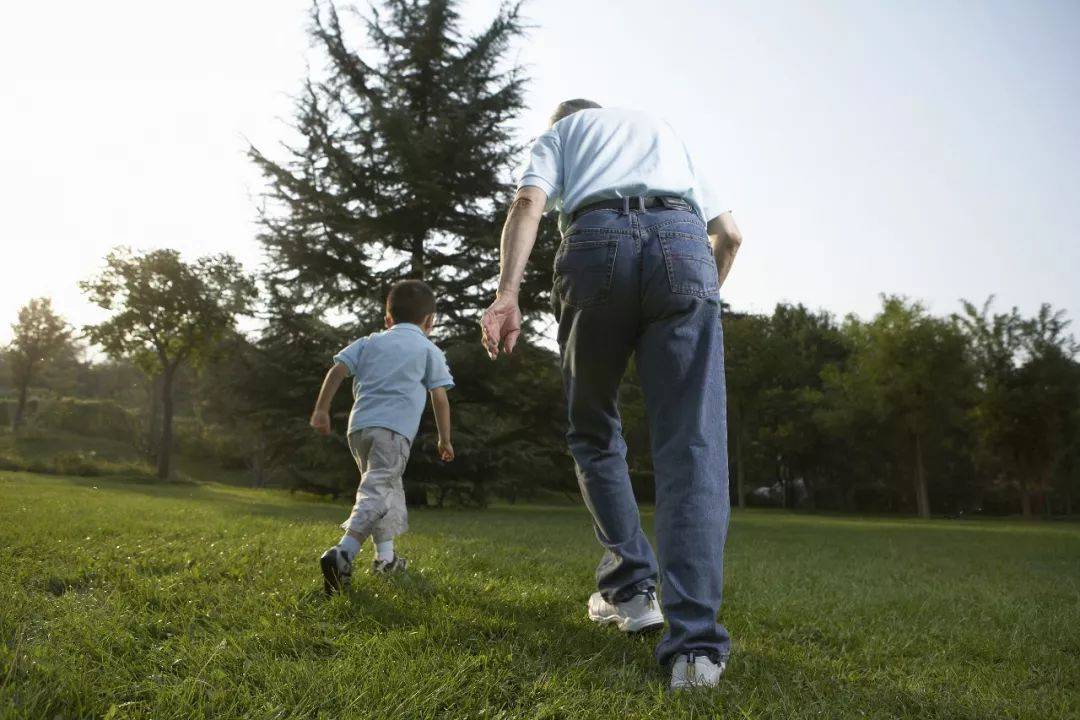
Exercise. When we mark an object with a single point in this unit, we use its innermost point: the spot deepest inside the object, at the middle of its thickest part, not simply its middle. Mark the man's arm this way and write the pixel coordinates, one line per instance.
(441, 405)
(320, 416)
(501, 323)
(725, 238)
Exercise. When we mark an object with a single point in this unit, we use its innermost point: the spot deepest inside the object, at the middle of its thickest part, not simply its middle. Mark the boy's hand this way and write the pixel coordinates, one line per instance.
(446, 451)
(320, 420)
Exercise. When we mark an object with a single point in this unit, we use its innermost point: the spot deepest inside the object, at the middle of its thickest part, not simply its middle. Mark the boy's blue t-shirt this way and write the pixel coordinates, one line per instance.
(393, 371)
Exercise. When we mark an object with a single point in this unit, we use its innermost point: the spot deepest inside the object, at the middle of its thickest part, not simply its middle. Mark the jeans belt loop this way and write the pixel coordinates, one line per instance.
(626, 206)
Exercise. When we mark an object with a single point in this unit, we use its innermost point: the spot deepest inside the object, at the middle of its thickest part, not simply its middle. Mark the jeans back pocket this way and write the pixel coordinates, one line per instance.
(691, 267)
(584, 267)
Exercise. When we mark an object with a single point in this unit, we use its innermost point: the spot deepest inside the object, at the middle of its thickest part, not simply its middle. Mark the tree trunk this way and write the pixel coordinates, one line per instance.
(165, 447)
(740, 468)
(416, 495)
(418, 269)
(155, 415)
(20, 408)
(849, 497)
(1025, 502)
(258, 465)
(922, 497)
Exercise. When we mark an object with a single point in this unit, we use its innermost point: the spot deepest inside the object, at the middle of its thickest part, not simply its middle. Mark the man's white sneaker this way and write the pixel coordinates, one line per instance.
(695, 671)
(639, 613)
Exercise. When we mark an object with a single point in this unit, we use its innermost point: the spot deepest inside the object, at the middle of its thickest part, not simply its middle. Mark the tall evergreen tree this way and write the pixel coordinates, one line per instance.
(403, 168)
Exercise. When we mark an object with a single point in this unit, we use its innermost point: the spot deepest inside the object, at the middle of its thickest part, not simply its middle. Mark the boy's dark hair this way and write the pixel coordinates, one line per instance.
(410, 301)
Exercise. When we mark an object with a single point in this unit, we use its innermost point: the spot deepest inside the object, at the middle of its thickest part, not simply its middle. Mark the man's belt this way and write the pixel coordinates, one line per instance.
(634, 203)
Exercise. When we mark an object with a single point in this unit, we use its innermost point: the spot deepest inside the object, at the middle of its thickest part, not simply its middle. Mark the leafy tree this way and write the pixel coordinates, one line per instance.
(774, 367)
(264, 391)
(750, 366)
(915, 378)
(402, 171)
(803, 344)
(1028, 397)
(39, 337)
(166, 312)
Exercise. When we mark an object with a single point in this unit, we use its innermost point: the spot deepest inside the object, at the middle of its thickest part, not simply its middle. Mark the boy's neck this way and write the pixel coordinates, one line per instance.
(421, 328)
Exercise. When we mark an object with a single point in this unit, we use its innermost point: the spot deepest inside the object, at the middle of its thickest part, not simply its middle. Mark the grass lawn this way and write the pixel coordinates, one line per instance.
(131, 600)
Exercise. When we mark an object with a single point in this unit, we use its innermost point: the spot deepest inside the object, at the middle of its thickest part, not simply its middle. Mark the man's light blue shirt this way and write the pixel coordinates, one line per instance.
(392, 372)
(605, 153)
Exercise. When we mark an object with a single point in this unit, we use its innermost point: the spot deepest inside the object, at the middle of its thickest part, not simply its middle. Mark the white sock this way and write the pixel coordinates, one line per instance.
(385, 550)
(349, 544)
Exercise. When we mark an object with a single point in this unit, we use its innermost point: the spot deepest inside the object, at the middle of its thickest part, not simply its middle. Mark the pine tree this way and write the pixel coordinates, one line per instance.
(403, 169)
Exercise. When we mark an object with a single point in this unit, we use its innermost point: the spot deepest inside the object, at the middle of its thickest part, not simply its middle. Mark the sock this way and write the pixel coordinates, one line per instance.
(349, 544)
(385, 550)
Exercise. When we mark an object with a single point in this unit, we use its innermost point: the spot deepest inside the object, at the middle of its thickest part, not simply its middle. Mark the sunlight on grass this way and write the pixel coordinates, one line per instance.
(148, 601)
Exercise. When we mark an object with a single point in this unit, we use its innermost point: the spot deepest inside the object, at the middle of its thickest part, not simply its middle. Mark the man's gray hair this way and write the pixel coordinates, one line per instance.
(569, 107)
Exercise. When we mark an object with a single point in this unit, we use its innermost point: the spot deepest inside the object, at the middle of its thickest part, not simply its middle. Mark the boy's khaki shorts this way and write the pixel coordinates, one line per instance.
(379, 511)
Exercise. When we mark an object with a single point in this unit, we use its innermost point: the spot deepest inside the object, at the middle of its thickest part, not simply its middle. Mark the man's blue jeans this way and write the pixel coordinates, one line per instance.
(643, 282)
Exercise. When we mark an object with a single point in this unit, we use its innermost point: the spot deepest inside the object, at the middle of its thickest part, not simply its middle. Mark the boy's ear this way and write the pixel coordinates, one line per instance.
(429, 322)
(389, 321)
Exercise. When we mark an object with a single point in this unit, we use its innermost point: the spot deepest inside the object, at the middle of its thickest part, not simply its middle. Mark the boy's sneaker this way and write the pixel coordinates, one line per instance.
(385, 567)
(637, 614)
(336, 570)
(696, 671)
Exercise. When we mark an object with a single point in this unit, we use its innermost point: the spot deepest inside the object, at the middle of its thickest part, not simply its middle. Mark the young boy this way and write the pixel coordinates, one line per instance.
(391, 371)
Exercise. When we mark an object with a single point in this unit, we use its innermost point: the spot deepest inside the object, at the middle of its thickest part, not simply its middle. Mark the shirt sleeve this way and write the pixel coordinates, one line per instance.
(350, 356)
(543, 167)
(703, 191)
(437, 373)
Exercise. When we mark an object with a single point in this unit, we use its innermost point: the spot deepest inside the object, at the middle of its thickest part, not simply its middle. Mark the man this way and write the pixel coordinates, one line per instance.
(638, 273)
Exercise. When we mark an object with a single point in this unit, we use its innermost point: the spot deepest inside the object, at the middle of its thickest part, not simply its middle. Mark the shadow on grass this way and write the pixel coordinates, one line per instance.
(557, 641)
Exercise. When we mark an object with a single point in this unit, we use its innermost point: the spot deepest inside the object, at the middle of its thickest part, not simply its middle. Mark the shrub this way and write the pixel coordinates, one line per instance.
(225, 445)
(82, 464)
(76, 463)
(91, 418)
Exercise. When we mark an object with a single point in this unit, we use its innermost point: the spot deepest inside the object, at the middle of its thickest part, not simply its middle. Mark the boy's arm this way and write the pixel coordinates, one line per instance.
(441, 405)
(320, 416)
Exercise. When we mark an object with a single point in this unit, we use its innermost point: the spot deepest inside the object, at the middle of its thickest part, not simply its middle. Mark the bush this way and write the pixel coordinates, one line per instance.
(82, 464)
(225, 445)
(91, 418)
(76, 463)
(7, 410)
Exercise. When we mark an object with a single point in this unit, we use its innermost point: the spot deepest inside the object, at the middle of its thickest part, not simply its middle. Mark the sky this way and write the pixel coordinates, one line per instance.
(930, 149)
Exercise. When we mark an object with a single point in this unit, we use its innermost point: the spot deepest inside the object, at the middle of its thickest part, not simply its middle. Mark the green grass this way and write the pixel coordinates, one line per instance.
(128, 600)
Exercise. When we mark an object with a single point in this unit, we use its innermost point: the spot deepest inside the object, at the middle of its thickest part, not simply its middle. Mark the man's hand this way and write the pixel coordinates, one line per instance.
(725, 238)
(501, 325)
(446, 450)
(320, 420)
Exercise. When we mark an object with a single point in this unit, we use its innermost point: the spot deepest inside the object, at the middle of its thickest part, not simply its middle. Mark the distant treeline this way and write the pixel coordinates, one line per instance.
(904, 412)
